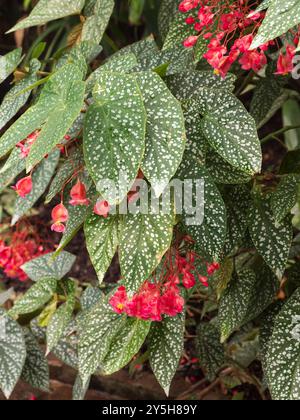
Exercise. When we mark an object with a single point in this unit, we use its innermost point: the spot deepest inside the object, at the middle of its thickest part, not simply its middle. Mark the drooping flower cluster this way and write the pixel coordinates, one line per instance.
(78, 195)
(229, 28)
(150, 303)
(18, 247)
(162, 295)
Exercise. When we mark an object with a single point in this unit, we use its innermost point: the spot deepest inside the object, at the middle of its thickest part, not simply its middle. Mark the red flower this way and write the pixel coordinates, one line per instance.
(212, 268)
(102, 208)
(119, 299)
(188, 280)
(23, 187)
(190, 41)
(187, 5)
(285, 63)
(78, 195)
(254, 60)
(60, 215)
(5, 253)
(203, 280)
(171, 302)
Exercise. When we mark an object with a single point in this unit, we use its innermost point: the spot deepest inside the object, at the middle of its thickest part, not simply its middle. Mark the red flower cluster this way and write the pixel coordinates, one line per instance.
(231, 26)
(161, 295)
(17, 250)
(150, 303)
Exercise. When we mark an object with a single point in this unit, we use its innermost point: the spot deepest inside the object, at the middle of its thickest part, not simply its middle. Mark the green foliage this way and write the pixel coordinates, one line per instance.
(152, 112)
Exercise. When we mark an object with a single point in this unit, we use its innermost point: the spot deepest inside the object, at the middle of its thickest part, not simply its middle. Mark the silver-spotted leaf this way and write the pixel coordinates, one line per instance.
(281, 16)
(144, 239)
(283, 357)
(96, 333)
(285, 196)
(59, 322)
(187, 84)
(230, 130)
(9, 62)
(125, 345)
(49, 265)
(272, 241)
(166, 343)
(97, 21)
(210, 351)
(36, 297)
(165, 133)
(15, 99)
(114, 135)
(12, 353)
(102, 240)
(247, 296)
(48, 10)
(36, 369)
(207, 224)
(58, 106)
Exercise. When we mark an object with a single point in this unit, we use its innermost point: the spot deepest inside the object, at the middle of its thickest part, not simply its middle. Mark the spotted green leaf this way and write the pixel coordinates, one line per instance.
(67, 107)
(119, 63)
(266, 92)
(36, 369)
(13, 166)
(58, 106)
(80, 388)
(167, 11)
(48, 10)
(49, 266)
(36, 297)
(95, 336)
(166, 348)
(208, 225)
(90, 297)
(222, 172)
(97, 20)
(281, 16)
(144, 51)
(247, 296)
(230, 130)
(102, 241)
(188, 84)
(267, 321)
(60, 320)
(196, 144)
(9, 62)
(125, 345)
(40, 180)
(179, 30)
(144, 239)
(64, 173)
(165, 133)
(15, 99)
(210, 351)
(237, 200)
(114, 135)
(67, 348)
(285, 196)
(283, 357)
(272, 241)
(12, 353)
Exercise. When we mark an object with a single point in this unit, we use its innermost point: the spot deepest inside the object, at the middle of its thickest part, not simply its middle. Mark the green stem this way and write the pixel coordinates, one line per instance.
(52, 46)
(278, 132)
(40, 38)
